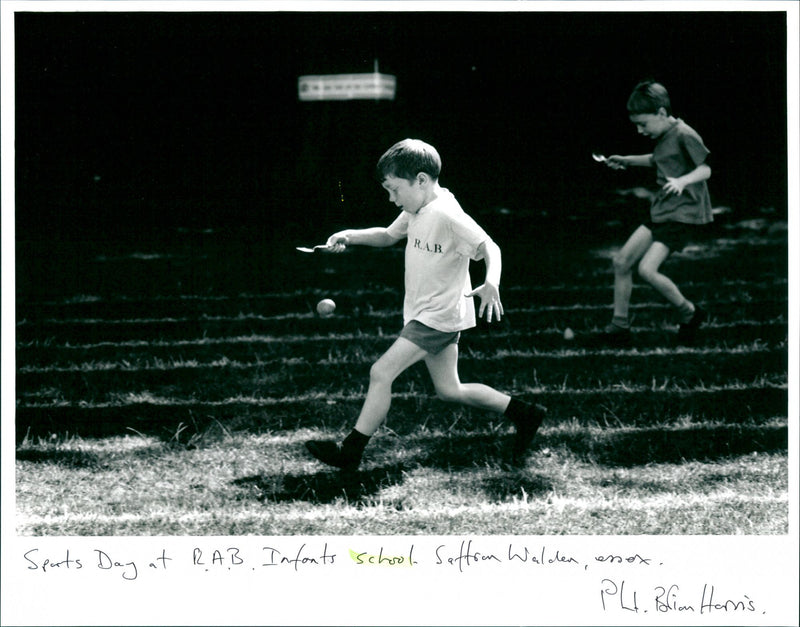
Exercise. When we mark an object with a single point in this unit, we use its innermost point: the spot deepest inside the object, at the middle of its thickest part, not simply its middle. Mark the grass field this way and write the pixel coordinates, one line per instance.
(166, 386)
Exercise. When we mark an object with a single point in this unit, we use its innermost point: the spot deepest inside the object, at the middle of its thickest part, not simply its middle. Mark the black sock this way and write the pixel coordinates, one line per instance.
(517, 410)
(525, 415)
(355, 442)
(621, 321)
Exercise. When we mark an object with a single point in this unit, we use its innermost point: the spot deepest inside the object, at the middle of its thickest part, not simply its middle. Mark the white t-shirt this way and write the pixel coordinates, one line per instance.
(441, 241)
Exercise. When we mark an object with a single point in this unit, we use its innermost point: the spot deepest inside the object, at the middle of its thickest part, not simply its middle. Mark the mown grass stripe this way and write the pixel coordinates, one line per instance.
(258, 338)
(530, 323)
(94, 300)
(356, 513)
(372, 314)
(144, 399)
(360, 357)
(725, 518)
(382, 307)
(118, 447)
(409, 413)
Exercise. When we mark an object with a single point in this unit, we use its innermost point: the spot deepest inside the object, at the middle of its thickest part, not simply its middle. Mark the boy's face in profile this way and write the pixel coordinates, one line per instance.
(651, 125)
(410, 196)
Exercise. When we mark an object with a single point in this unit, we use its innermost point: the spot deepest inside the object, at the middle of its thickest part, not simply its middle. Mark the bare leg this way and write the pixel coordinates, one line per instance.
(633, 250)
(400, 356)
(347, 455)
(649, 271)
(526, 418)
(443, 369)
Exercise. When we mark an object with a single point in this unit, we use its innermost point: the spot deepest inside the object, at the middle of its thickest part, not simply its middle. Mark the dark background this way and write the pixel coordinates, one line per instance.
(132, 123)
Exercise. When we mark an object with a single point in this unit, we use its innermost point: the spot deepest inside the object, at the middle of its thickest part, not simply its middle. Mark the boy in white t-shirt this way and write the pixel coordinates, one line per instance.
(438, 305)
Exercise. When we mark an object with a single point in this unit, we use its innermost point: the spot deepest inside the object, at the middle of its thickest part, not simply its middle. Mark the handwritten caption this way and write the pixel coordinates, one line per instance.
(460, 557)
(614, 595)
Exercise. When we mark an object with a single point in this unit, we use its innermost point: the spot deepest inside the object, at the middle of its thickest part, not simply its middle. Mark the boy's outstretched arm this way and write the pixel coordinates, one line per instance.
(375, 236)
(678, 184)
(489, 292)
(619, 162)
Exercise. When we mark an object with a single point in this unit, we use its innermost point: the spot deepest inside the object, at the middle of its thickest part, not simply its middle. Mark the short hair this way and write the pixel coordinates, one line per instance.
(407, 158)
(648, 97)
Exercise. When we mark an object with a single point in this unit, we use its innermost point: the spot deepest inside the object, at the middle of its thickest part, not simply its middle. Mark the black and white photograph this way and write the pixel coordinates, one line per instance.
(478, 290)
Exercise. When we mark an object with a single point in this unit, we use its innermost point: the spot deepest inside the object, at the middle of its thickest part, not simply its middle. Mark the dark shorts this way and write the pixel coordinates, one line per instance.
(429, 340)
(675, 235)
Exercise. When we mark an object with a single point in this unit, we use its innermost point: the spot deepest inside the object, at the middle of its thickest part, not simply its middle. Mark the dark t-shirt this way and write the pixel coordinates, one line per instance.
(677, 152)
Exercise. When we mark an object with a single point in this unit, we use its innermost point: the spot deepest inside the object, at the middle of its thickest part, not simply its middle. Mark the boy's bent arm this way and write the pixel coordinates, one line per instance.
(493, 259)
(678, 184)
(489, 292)
(700, 173)
(375, 236)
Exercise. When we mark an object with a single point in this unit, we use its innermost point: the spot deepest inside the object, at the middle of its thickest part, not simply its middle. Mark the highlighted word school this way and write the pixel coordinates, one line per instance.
(383, 560)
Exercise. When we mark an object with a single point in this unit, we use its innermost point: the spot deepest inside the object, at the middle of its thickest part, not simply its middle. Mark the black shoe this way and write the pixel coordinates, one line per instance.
(526, 431)
(333, 454)
(688, 330)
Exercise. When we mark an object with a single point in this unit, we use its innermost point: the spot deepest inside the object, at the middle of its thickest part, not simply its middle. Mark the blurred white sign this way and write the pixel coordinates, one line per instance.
(371, 86)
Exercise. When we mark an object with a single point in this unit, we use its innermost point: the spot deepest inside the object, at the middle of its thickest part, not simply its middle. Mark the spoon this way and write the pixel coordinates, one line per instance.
(304, 249)
(616, 165)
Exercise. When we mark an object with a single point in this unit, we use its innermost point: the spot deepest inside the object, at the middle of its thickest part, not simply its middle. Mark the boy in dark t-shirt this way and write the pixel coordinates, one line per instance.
(680, 206)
